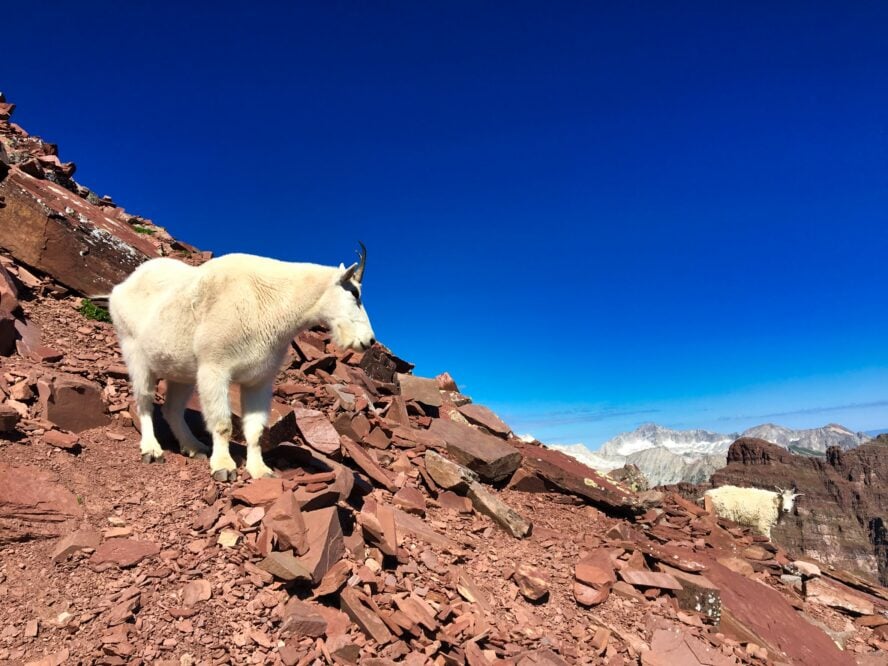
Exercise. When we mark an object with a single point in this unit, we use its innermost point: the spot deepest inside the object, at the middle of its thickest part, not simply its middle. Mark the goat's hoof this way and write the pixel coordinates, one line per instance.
(152, 458)
(225, 475)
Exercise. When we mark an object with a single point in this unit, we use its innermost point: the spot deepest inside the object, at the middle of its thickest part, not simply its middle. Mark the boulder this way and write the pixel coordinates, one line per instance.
(420, 389)
(72, 403)
(490, 457)
(9, 418)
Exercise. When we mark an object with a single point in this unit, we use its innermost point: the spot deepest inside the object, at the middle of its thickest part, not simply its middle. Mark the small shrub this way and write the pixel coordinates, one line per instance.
(92, 311)
(139, 229)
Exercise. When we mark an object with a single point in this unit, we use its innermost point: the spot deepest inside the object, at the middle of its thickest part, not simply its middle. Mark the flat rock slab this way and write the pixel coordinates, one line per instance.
(366, 462)
(678, 648)
(316, 430)
(286, 566)
(420, 389)
(196, 591)
(697, 595)
(353, 603)
(754, 612)
(62, 440)
(76, 542)
(326, 545)
(259, 492)
(419, 528)
(124, 552)
(490, 457)
(303, 619)
(484, 417)
(836, 595)
(448, 474)
(33, 505)
(501, 513)
(575, 477)
(284, 519)
(661, 581)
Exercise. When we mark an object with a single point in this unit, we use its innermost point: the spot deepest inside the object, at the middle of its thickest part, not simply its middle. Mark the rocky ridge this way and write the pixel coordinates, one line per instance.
(406, 524)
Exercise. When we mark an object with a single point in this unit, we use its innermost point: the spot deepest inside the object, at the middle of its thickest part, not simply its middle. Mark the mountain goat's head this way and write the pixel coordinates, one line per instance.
(345, 315)
(787, 499)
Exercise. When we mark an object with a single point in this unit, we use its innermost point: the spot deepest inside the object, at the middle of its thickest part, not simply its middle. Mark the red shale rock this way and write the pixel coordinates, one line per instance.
(755, 612)
(124, 552)
(490, 457)
(33, 505)
(420, 389)
(75, 542)
(484, 417)
(72, 403)
(259, 492)
(62, 440)
(531, 582)
(316, 430)
(284, 519)
(325, 543)
(9, 418)
(303, 619)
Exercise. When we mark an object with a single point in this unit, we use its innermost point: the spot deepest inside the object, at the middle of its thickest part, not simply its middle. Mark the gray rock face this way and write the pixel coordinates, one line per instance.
(662, 467)
(813, 439)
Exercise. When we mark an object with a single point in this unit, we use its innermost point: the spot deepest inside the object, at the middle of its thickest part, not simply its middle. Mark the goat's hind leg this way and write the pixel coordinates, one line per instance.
(212, 385)
(144, 381)
(173, 409)
(255, 401)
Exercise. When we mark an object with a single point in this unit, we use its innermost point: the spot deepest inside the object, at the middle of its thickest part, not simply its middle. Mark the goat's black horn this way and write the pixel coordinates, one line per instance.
(359, 273)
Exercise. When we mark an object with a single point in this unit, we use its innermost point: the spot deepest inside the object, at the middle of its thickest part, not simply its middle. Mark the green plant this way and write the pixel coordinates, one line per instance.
(92, 311)
(139, 229)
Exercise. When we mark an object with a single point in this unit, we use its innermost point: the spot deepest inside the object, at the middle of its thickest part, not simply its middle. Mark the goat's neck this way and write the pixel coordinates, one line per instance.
(296, 299)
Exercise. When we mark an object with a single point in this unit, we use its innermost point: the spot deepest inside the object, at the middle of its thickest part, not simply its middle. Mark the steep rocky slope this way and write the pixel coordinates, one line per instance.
(405, 524)
(841, 518)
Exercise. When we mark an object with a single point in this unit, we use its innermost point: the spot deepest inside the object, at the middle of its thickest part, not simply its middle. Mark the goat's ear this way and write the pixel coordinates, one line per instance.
(797, 494)
(348, 274)
(780, 490)
(341, 266)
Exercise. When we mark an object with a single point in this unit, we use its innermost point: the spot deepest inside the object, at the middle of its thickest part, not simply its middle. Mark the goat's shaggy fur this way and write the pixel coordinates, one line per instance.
(753, 507)
(228, 320)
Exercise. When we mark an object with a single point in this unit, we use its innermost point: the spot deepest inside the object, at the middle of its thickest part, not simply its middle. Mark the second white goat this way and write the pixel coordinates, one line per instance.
(753, 507)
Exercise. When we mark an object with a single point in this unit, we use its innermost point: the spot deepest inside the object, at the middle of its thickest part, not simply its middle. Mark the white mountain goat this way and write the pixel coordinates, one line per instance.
(753, 507)
(229, 320)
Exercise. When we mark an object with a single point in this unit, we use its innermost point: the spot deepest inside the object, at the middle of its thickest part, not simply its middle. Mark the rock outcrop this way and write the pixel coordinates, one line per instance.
(841, 517)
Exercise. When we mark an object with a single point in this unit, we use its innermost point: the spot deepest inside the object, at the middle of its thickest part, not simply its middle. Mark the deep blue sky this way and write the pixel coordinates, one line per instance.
(592, 215)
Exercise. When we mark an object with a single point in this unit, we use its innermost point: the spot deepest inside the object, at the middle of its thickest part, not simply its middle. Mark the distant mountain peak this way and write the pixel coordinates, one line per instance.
(668, 456)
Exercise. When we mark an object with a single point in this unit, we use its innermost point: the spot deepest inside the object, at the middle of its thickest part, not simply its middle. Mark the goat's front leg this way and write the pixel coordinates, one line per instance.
(212, 385)
(255, 402)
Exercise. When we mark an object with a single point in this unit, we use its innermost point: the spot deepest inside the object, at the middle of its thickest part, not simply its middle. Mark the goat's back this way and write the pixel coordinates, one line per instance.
(157, 288)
